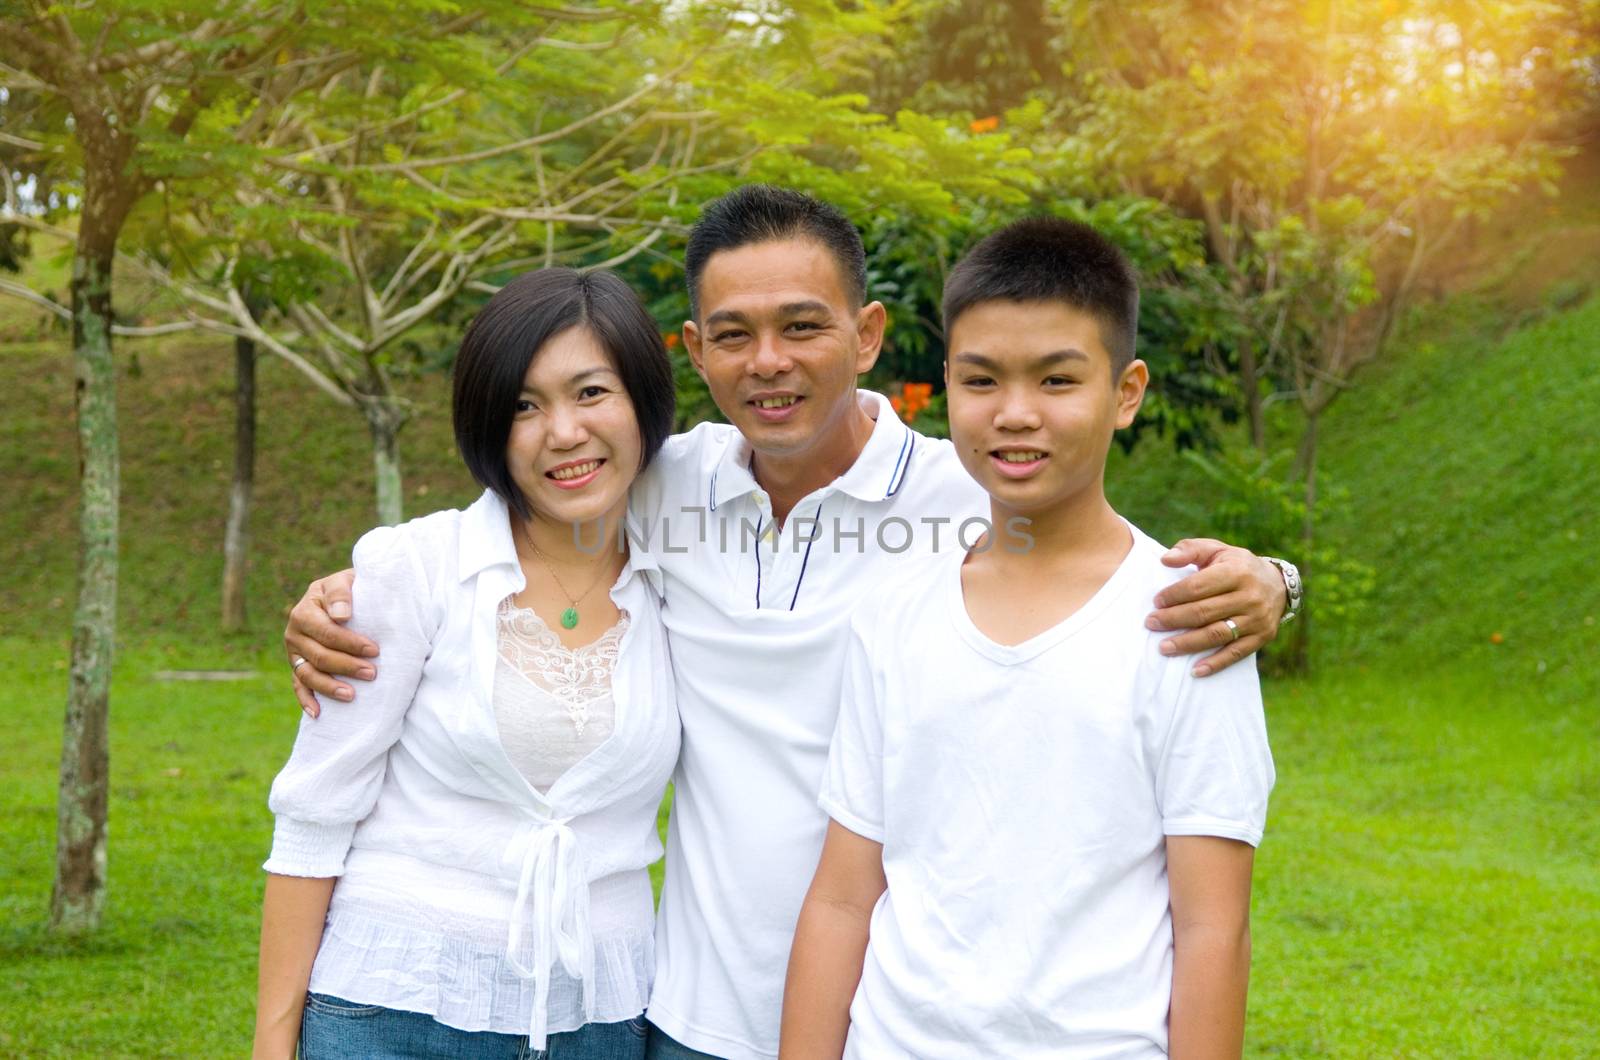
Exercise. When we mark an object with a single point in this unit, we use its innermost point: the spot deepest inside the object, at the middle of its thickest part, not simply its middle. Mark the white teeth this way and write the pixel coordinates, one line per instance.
(575, 471)
(776, 402)
(1021, 457)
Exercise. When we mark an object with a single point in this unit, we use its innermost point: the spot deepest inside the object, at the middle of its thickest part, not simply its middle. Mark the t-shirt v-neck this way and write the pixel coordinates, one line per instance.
(1014, 654)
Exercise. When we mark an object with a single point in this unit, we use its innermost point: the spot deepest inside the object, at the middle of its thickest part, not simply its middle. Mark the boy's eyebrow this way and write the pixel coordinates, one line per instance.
(1047, 360)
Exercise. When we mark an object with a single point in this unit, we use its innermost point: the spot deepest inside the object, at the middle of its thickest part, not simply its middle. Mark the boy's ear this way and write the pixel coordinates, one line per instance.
(1130, 392)
(691, 343)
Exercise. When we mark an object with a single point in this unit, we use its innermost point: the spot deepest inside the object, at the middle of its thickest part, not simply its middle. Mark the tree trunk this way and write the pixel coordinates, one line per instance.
(1250, 383)
(1300, 648)
(236, 539)
(384, 421)
(79, 889)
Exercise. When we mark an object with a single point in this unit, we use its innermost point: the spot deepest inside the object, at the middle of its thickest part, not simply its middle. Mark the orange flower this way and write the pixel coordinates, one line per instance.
(671, 339)
(985, 125)
(896, 404)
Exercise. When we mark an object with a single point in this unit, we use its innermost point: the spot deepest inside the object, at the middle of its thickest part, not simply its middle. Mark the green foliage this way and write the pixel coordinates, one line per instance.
(1255, 501)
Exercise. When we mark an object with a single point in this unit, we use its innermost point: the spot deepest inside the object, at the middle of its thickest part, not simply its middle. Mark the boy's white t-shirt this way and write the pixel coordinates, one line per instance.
(1022, 795)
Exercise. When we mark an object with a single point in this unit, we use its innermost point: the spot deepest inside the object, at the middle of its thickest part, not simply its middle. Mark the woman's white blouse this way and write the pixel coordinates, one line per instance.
(466, 892)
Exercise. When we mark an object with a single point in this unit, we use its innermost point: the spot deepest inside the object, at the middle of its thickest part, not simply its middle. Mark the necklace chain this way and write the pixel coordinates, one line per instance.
(569, 617)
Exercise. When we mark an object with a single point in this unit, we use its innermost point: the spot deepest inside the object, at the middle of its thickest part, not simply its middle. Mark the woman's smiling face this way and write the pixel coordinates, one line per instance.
(575, 445)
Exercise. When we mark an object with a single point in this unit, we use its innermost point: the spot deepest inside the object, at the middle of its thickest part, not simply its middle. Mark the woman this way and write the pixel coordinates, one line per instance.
(459, 865)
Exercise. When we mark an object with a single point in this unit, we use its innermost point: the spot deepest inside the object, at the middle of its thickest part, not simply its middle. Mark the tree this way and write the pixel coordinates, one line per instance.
(112, 105)
(1333, 149)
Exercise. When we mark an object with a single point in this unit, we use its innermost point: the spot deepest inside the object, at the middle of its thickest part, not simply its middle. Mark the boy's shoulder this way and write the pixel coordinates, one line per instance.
(911, 593)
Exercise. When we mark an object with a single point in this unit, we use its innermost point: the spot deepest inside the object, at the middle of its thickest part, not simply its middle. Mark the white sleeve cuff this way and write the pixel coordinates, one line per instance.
(305, 848)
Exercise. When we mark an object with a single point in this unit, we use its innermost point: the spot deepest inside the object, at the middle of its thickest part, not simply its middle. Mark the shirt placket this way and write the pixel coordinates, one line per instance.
(783, 556)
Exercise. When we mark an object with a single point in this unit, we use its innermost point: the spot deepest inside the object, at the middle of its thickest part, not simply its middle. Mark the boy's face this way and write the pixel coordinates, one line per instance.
(1033, 403)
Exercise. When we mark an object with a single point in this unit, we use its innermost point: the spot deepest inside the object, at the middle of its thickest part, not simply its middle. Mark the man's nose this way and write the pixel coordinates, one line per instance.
(770, 358)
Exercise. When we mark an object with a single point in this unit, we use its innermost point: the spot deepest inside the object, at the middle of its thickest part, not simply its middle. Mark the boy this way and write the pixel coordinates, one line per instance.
(1048, 826)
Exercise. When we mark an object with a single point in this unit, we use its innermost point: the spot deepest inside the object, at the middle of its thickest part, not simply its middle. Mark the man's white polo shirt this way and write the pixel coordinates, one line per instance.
(757, 622)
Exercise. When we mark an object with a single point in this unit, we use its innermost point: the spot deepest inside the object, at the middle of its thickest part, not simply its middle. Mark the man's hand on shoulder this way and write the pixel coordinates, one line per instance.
(320, 648)
(1232, 604)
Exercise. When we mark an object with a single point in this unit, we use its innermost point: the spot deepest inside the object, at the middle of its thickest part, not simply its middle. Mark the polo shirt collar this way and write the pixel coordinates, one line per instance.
(876, 475)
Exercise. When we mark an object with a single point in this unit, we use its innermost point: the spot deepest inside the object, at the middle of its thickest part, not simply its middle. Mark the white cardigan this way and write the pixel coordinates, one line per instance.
(408, 792)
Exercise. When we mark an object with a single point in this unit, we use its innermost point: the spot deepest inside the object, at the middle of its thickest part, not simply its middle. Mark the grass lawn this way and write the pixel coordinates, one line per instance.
(1426, 888)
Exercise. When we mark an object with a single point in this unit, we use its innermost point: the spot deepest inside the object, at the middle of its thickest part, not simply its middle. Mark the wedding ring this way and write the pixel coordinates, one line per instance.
(301, 660)
(1233, 627)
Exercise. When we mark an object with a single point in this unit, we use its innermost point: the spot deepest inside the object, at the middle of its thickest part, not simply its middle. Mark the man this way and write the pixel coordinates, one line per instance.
(769, 531)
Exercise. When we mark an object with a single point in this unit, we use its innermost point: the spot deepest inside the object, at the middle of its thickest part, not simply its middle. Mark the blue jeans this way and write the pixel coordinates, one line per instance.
(664, 1047)
(335, 1029)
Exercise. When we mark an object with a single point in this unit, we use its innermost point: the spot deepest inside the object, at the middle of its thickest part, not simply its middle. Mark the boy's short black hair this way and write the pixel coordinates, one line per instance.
(758, 213)
(501, 342)
(1042, 259)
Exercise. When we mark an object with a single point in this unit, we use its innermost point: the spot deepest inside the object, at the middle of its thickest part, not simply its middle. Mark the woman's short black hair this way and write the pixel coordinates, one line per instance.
(1041, 259)
(503, 338)
(760, 213)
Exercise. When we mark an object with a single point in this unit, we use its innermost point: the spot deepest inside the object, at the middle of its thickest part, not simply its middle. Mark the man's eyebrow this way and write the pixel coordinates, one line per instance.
(791, 309)
(1048, 360)
(726, 316)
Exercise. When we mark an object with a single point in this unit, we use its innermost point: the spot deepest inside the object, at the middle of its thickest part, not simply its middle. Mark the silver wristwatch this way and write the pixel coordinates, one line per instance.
(1291, 582)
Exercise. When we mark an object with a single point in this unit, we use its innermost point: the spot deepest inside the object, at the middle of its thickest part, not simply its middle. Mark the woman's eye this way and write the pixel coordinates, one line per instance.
(524, 405)
(590, 392)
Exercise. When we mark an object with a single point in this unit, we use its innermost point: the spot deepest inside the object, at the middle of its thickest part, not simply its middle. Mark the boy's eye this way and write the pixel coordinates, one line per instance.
(1059, 380)
(977, 381)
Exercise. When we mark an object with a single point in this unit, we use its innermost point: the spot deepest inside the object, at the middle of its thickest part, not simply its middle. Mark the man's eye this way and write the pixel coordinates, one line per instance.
(727, 336)
(804, 325)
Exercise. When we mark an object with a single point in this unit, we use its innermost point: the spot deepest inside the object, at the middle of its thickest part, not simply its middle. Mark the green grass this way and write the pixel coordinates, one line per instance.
(1427, 886)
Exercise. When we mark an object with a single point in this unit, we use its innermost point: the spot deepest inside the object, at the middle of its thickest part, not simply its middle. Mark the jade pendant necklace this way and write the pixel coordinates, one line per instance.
(569, 617)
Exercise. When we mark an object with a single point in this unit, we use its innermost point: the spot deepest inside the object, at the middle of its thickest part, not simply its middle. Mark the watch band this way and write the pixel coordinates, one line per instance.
(1291, 583)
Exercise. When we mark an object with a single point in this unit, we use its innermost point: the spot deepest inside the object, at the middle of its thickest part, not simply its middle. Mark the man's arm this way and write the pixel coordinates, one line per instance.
(1232, 583)
(291, 930)
(314, 633)
(1209, 879)
(830, 944)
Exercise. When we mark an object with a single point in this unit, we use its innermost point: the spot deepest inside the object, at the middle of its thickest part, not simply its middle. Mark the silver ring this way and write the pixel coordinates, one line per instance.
(301, 660)
(1233, 627)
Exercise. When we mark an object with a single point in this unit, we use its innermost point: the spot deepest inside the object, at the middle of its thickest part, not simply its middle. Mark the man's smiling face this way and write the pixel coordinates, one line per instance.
(780, 345)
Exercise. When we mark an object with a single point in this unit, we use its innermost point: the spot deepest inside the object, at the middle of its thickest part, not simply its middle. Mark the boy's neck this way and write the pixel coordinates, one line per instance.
(1079, 527)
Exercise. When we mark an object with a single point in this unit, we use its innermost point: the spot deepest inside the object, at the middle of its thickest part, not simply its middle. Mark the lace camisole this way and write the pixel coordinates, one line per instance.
(552, 703)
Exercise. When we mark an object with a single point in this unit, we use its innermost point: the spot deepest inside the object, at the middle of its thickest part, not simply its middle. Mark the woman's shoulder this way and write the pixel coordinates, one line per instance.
(424, 550)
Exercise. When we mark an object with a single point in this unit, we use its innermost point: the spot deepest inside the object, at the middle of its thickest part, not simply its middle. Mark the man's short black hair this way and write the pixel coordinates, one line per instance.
(759, 213)
(501, 342)
(1042, 259)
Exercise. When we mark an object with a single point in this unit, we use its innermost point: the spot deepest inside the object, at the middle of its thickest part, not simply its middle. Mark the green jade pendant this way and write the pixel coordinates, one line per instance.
(569, 618)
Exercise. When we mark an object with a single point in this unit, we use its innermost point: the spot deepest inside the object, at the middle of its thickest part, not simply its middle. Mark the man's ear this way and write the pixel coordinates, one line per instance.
(1130, 392)
(871, 320)
(691, 342)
